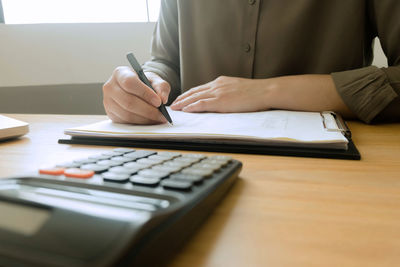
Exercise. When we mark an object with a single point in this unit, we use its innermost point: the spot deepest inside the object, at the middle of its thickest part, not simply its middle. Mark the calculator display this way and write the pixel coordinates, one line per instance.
(22, 219)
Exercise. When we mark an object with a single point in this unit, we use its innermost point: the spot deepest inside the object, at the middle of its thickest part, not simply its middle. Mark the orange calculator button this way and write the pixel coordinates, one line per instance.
(78, 173)
(52, 171)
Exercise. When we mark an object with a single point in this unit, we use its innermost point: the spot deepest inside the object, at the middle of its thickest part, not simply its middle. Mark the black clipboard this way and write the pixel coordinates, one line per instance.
(351, 153)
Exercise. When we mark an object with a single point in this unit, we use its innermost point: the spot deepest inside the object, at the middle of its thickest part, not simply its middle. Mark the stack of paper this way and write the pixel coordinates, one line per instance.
(10, 128)
(281, 128)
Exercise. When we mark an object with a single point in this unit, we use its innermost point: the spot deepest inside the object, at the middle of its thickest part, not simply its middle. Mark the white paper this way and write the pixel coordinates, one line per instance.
(266, 127)
(10, 127)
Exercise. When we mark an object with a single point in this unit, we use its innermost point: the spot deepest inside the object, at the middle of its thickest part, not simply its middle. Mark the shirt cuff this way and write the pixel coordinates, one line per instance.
(366, 91)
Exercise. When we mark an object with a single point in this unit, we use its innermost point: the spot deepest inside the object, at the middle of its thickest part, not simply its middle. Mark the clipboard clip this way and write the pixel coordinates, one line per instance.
(340, 126)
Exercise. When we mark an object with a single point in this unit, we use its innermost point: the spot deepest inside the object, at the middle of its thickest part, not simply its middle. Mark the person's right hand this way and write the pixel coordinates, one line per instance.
(127, 99)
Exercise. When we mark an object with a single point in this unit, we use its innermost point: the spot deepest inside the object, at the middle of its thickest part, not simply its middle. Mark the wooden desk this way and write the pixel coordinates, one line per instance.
(283, 211)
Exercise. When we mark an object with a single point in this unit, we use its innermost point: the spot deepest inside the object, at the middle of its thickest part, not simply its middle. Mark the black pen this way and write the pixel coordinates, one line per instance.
(139, 71)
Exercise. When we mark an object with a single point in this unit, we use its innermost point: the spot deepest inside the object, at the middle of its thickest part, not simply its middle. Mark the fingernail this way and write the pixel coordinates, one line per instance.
(165, 97)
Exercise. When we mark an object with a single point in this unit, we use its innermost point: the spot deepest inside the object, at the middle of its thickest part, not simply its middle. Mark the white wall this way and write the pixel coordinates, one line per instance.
(42, 54)
(75, 53)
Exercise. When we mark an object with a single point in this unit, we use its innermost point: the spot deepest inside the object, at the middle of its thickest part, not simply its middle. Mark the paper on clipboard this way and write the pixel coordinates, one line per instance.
(277, 127)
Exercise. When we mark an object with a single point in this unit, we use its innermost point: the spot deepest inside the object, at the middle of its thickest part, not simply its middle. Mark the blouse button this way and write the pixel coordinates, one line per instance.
(247, 48)
(252, 2)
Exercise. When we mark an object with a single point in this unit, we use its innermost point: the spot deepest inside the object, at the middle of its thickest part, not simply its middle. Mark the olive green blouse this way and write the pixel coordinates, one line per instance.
(195, 41)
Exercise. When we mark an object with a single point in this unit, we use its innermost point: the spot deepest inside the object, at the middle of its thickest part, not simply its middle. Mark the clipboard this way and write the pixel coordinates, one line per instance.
(351, 153)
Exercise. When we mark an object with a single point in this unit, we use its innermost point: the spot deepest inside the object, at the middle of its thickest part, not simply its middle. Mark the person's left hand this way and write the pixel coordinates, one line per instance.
(224, 94)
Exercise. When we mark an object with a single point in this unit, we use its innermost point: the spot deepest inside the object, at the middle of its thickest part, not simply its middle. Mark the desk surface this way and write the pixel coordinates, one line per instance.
(283, 211)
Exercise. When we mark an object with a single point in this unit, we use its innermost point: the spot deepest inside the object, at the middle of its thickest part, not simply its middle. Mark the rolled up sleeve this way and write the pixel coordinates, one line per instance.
(372, 93)
(366, 91)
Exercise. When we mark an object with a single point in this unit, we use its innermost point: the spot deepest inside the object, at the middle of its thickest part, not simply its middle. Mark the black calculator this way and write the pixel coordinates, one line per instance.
(123, 207)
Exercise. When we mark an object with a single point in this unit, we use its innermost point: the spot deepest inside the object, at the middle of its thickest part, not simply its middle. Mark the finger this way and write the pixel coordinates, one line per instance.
(115, 96)
(161, 86)
(179, 105)
(116, 118)
(128, 80)
(203, 105)
(192, 91)
(120, 115)
(163, 89)
(135, 105)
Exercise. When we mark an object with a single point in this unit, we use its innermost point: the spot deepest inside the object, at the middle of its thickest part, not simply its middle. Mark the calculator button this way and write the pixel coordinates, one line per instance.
(196, 171)
(134, 165)
(84, 161)
(176, 184)
(207, 166)
(121, 159)
(144, 165)
(94, 167)
(220, 158)
(78, 173)
(215, 161)
(176, 164)
(169, 154)
(109, 163)
(197, 179)
(166, 168)
(112, 154)
(159, 157)
(52, 171)
(149, 161)
(123, 170)
(99, 157)
(115, 177)
(194, 156)
(123, 150)
(140, 180)
(139, 154)
(150, 173)
(186, 160)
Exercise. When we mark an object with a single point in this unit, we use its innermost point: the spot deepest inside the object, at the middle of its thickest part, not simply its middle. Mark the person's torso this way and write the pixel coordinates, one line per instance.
(269, 38)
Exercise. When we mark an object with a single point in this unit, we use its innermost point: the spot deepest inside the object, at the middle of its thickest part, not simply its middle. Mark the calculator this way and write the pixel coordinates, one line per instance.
(123, 207)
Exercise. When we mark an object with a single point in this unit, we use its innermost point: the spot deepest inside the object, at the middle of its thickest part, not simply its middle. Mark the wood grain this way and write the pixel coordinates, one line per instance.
(283, 211)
